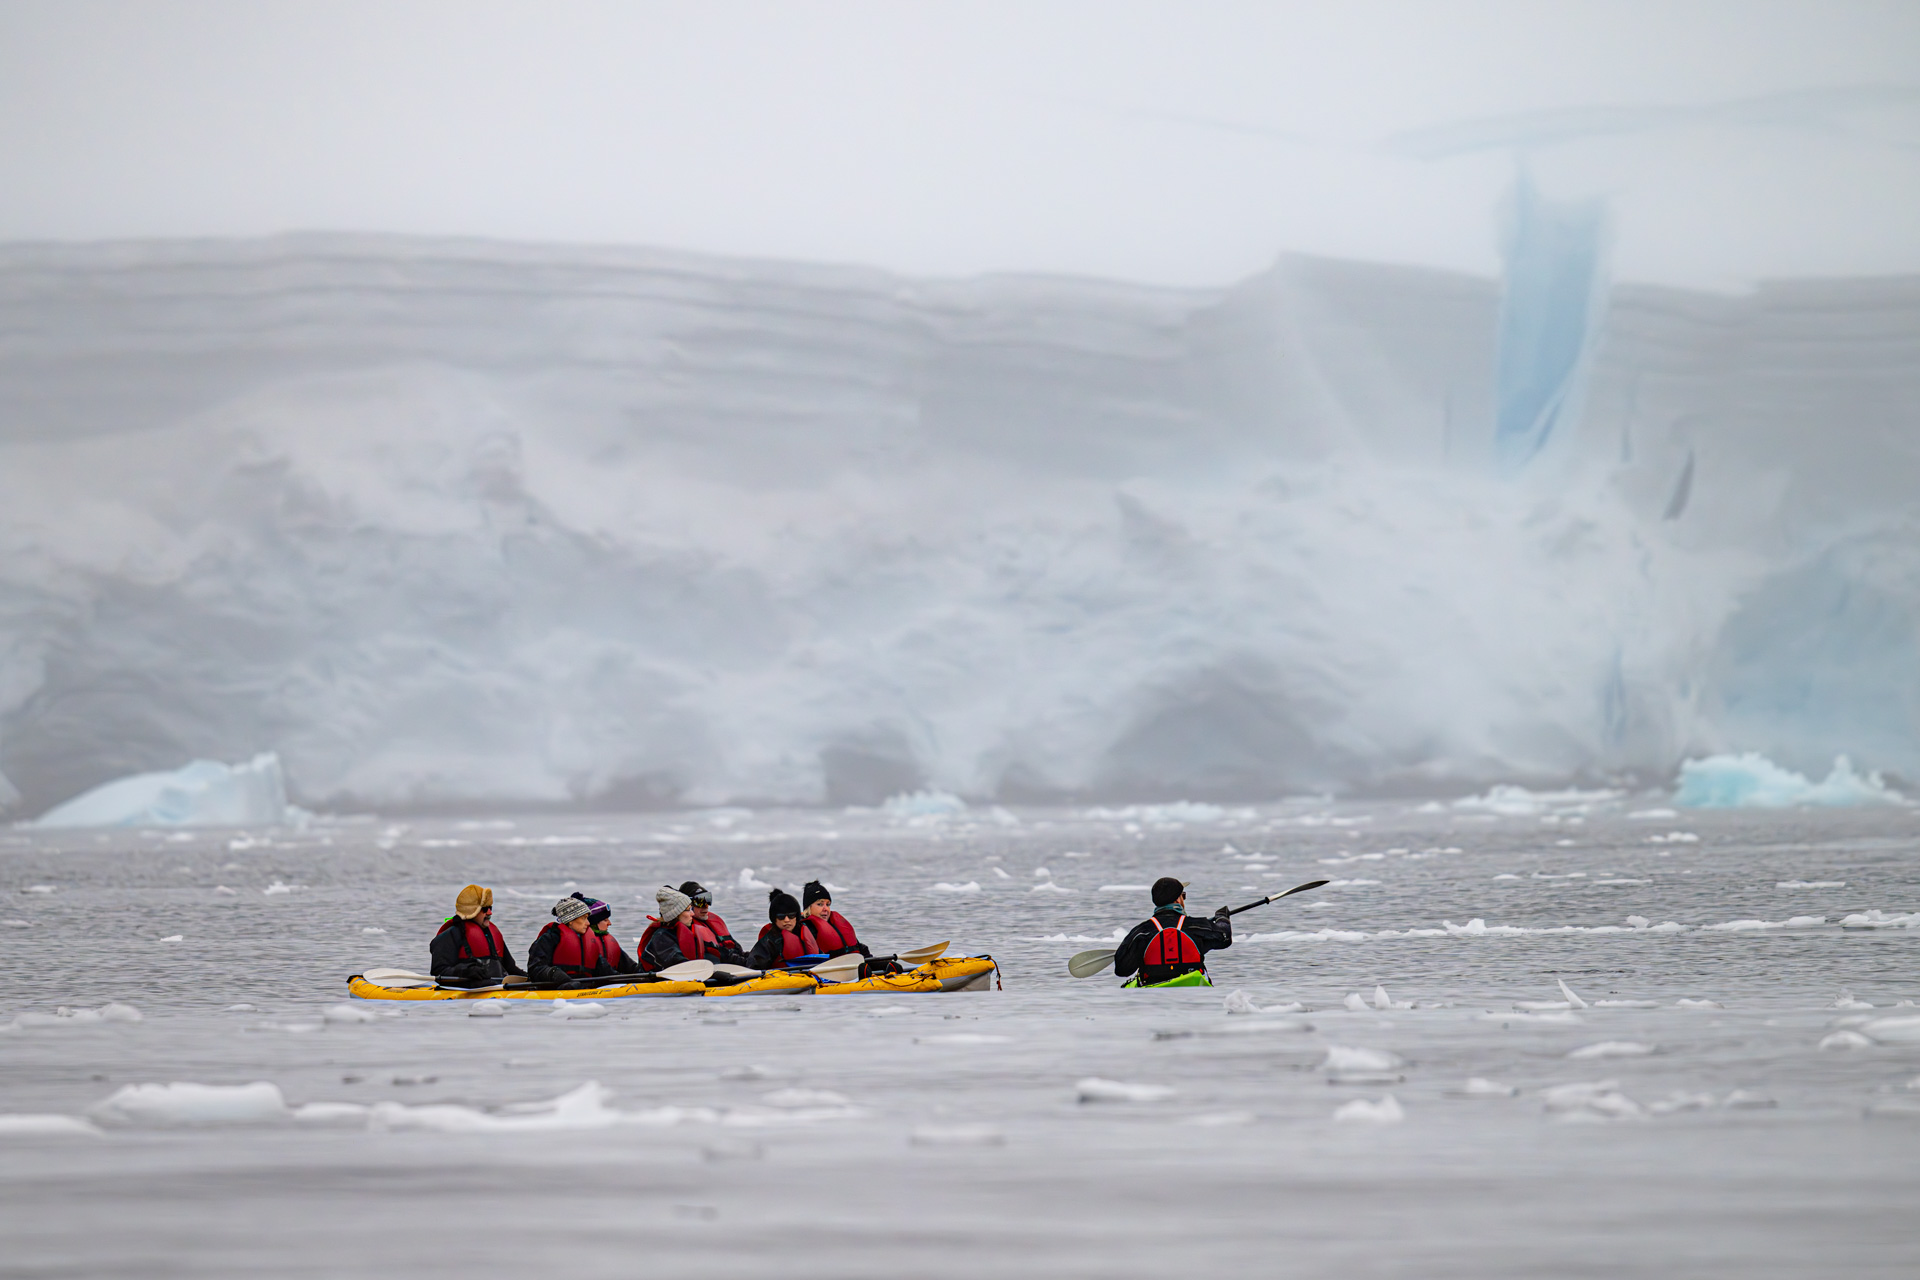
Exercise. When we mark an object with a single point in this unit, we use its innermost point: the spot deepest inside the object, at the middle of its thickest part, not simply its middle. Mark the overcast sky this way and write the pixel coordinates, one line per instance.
(1177, 142)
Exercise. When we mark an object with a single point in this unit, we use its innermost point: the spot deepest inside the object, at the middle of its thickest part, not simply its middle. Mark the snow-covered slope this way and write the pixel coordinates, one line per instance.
(457, 521)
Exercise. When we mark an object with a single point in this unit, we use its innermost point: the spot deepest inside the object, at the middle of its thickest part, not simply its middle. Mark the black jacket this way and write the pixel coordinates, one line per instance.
(540, 966)
(769, 952)
(1208, 935)
(626, 963)
(663, 949)
(446, 958)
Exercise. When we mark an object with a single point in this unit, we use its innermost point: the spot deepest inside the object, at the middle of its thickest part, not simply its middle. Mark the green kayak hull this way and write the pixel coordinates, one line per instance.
(1184, 980)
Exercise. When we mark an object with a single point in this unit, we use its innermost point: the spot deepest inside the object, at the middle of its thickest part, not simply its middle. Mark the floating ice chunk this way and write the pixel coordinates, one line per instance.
(1900, 1030)
(488, 1009)
(371, 929)
(1878, 919)
(175, 937)
(277, 888)
(1003, 875)
(1222, 1119)
(790, 1098)
(1674, 837)
(1094, 1089)
(1383, 1001)
(1845, 1000)
(747, 880)
(1751, 926)
(1360, 1111)
(583, 1108)
(1346, 1058)
(1356, 1002)
(1612, 1049)
(1591, 1100)
(956, 1135)
(1638, 922)
(238, 1008)
(188, 1105)
(204, 793)
(37, 888)
(350, 1014)
(1751, 781)
(1049, 887)
(1123, 888)
(1506, 875)
(578, 1010)
(1682, 1102)
(924, 804)
(1652, 815)
(1845, 1040)
(1746, 1100)
(1685, 1002)
(27, 1124)
(1567, 991)
(1479, 1087)
(1811, 884)
(886, 1010)
(77, 1016)
(971, 886)
(964, 1037)
(1240, 1002)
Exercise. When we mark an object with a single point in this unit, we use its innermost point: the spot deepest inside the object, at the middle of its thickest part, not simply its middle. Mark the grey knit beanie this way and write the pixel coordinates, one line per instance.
(672, 903)
(569, 909)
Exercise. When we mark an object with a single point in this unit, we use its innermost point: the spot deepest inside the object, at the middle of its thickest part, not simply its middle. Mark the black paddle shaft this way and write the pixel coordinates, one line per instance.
(1299, 888)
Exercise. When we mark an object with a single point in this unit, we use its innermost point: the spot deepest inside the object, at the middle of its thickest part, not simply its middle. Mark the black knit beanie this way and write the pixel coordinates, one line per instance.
(813, 893)
(1166, 889)
(781, 903)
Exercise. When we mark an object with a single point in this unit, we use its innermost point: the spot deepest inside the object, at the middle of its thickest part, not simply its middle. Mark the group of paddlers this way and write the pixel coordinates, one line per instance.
(578, 945)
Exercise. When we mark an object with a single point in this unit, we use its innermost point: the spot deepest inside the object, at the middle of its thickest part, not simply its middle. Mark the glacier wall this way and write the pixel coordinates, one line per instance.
(455, 523)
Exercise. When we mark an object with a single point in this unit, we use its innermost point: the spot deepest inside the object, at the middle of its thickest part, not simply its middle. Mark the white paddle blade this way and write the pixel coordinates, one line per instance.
(920, 955)
(840, 968)
(384, 975)
(688, 971)
(736, 971)
(1088, 963)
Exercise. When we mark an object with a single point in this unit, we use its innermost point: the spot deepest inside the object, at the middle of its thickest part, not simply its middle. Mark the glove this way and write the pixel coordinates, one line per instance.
(1223, 917)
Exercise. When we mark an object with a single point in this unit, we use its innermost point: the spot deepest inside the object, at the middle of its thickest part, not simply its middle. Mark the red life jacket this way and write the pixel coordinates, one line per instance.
(692, 947)
(711, 930)
(477, 941)
(1170, 952)
(794, 943)
(576, 954)
(609, 947)
(833, 932)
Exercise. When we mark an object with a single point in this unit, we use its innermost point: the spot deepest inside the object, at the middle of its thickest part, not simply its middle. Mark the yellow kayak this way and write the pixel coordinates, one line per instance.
(776, 983)
(959, 973)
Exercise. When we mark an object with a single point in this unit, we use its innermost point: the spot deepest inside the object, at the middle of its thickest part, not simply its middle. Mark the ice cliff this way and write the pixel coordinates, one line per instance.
(456, 522)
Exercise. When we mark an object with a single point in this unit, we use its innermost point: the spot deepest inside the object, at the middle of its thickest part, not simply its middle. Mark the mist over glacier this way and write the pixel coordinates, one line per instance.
(461, 522)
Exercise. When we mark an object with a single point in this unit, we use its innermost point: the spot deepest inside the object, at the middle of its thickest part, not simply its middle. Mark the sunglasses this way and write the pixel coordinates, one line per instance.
(778, 919)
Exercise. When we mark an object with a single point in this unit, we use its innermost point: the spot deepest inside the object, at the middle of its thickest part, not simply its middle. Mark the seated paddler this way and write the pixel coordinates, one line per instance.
(468, 949)
(567, 948)
(830, 928)
(784, 938)
(1170, 943)
(712, 930)
(670, 937)
(600, 920)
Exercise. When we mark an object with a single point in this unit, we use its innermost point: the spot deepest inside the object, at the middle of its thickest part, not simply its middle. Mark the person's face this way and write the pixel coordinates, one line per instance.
(700, 911)
(818, 910)
(603, 927)
(486, 914)
(685, 917)
(787, 924)
(578, 924)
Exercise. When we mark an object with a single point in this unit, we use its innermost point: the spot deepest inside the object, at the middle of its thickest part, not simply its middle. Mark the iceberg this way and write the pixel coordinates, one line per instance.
(450, 522)
(204, 793)
(1751, 781)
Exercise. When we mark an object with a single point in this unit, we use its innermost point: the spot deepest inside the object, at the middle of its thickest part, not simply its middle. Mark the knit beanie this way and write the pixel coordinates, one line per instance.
(693, 889)
(598, 911)
(672, 903)
(1167, 890)
(781, 903)
(813, 893)
(472, 901)
(569, 909)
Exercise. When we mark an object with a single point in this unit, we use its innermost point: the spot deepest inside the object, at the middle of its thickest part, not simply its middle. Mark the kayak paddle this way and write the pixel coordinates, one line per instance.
(687, 971)
(920, 955)
(839, 969)
(1088, 963)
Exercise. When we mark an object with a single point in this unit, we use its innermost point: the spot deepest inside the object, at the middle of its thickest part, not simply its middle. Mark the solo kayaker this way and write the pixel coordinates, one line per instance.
(600, 920)
(670, 937)
(1169, 942)
(783, 938)
(567, 947)
(713, 931)
(468, 949)
(830, 928)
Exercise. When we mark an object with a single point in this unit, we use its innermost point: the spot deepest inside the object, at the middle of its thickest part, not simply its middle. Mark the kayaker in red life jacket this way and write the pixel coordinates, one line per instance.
(713, 931)
(567, 948)
(600, 920)
(783, 938)
(1169, 942)
(670, 938)
(468, 949)
(830, 928)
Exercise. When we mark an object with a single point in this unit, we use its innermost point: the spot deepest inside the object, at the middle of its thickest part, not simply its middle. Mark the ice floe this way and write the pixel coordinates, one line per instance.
(1095, 1089)
(1754, 926)
(1751, 781)
(1878, 919)
(204, 793)
(1898, 1030)
(184, 1105)
(1386, 1110)
(971, 886)
(26, 1124)
(1590, 1100)
(578, 1010)
(1612, 1049)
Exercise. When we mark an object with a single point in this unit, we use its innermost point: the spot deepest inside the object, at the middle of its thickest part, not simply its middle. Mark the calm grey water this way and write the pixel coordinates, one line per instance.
(945, 1135)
